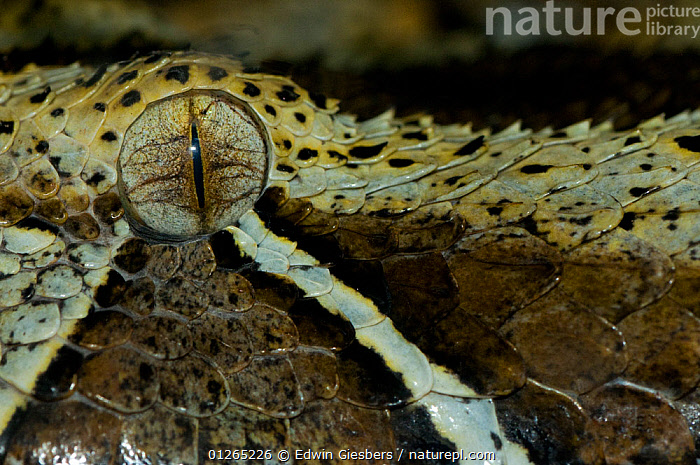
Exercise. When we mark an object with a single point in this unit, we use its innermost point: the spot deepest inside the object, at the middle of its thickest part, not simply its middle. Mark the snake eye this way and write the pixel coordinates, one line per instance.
(191, 164)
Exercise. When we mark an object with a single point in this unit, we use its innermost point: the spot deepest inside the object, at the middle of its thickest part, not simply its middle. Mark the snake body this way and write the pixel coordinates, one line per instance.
(198, 259)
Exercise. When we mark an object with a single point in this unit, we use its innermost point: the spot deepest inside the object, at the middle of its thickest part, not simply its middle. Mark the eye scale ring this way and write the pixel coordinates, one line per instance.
(192, 164)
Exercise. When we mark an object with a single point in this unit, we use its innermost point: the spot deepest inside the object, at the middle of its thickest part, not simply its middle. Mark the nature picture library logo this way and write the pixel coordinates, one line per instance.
(659, 20)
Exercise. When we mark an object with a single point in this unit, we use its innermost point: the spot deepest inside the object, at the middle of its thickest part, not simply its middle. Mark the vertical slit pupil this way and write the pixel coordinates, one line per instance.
(196, 152)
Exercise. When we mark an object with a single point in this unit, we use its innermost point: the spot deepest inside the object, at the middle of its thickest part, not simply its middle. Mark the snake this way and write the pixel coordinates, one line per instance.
(204, 263)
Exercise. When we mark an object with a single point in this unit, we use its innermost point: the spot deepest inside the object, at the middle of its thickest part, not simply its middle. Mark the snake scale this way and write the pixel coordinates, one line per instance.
(200, 258)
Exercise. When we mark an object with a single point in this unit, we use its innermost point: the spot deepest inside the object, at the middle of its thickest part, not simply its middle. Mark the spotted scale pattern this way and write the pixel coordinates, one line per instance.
(398, 284)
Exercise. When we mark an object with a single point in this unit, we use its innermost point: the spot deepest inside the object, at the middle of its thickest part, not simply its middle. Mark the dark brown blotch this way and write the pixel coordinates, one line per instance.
(318, 327)
(83, 226)
(550, 426)
(367, 151)
(127, 76)
(366, 379)
(111, 291)
(251, 90)
(41, 96)
(58, 381)
(287, 94)
(471, 146)
(691, 143)
(179, 73)
(307, 154)
(130, 98)
(108, 208)
(95, 77)
(7, 127)
(108, 136)
(216, 74)
(132, 255)
(101, 330)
